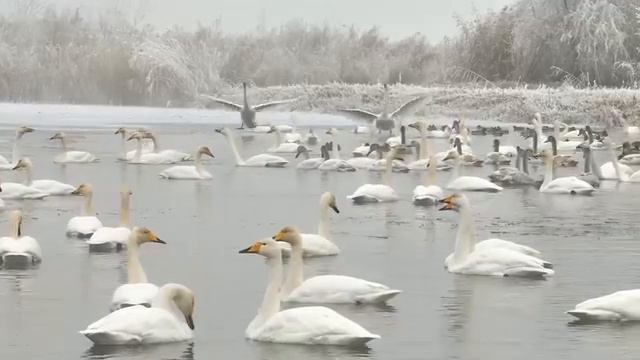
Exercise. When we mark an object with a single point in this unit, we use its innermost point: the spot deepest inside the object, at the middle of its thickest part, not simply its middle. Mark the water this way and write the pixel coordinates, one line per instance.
(591, 240)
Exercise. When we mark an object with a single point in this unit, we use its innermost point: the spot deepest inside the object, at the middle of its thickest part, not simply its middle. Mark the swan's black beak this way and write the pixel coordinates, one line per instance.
(219, 131)
(334, 207)
(189, 320)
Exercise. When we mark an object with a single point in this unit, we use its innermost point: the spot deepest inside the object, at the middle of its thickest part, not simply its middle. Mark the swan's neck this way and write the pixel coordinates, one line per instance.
(124, 210)
(271, 301)
(14, 228)
(595, 167)
(123, 145)
(554, 146)
(465, 239)
(138, 154)
(324, 227)
(155, 143)
(29, 175)
(87, 209)
(535, 141)
(165, 298)
(519, 159)
(278, 137)
(15, 154)
(587, 161)
(556, 129)
(234, 149)
(525, 163)
(134, 267)
(430, 179)
(387, 170)
(244, 96)
(336, 152)
(496, 147)
(198, 163)
(548, 174)
(63, 141)
(456, 168)
(295, 277)
(616, 165)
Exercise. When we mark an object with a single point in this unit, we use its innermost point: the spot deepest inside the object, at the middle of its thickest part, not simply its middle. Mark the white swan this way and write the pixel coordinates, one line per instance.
(613, 170)
(566, 160)
(468, 183)
(189, 172)
(174, 155)
(169, 319)
(564, 185)
(500, 155)
(619, 306)
(335, 163)
(15, 154)
(302, 325)
(85, 224)
(281, 146)
(147, 146)
(71, 156)
(11, 190)
(254, 161)
(513, 176)
(16, 250)
(429, 193)
(373, 193)
(325, 288)
(319, 244)
(149, 158)
(109, 238)
(138, 290)
(46, 186)
(493, 257)
(309, 163)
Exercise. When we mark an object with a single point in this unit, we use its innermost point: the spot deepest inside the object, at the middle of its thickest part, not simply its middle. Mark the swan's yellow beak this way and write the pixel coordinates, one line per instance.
(448, 203)
(253, 249)
(279, 236)
(155, 239)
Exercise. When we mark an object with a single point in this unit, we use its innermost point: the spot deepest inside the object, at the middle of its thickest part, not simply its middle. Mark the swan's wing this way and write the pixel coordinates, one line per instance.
(264, 106)
(409, 107)
(499, 243)
(501, 262)
(316, 245)
(358, 114)
(340, 289)
(313, 325)
(133, 294)
(211, 101)
(116, 235)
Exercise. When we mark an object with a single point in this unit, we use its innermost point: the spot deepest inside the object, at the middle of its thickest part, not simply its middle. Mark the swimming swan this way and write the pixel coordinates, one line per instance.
(108, 238)
(150, 158)
(254, 161)
(563, 185)
(16, 250)
(493, 257)
(71, 156)
(189, 172)
(85, 224)
(619, 306)
(11, 190)
(15, 154)
(169, 319)
(468, 183)
(317, 325)
(46, 186)
(325, 288)
(428, 194)
(138, 290)
(147, 146)
(373, 193)
(309, 163)
(280, 146)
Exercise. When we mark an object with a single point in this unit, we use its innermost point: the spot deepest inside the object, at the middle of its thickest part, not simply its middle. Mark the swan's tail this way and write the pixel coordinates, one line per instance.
(17, 260)
(594, 315)
(529, 272)
(278, 164)
(425, 200)
(346, 340)
(163, 175)
(100, 337)
(362, 199)
(377, 298)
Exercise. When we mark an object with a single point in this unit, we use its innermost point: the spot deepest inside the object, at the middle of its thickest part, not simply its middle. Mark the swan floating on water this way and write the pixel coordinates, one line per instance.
(46, 186)
(147, 146)
(17, 250)
(313, 325)
(169, 319)
(110, 238)
(71, 156)
(468, 183)
(373, 193)
(430, 193)
(325, 288)
(138, 290)
(85, 225)
(619, 306)
(254, 161)
(190, 172)
(563, 185)
(309, 163)
(15, 154)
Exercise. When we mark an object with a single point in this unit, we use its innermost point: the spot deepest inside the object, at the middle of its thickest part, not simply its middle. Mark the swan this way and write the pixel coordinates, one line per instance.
(592, 178)
(149, 158)
(620, 306)
(16, 250)
(317, 325)
(385, 121)
(361, 130)
(562, 160)
(171, 154)
(468, 183)
(363, 162)
(564, 185)
(493, 257)
(498, 157)
(310, 138)
(513, 176)
(48, 187)
(189, 172)
(84, 225)
(109, 238)
(169, 319)
(443, 133)
(309, 163)
(373, 193)
(380, 165)
(256, 160)
(280, 146)
(319, 244)
(334, 164)
(71, 156)
(11, 190)
(247, 112)
(325, 288)
(629, 156)
(613, 170)
(147, 146)
(465, 156)
(361, 150)
(423, 150)
(138, 290)
(429, 193)
(15, 154)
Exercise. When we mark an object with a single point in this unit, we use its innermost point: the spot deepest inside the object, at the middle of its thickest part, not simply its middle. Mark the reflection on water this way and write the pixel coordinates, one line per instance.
(177, 351)
(267, 351)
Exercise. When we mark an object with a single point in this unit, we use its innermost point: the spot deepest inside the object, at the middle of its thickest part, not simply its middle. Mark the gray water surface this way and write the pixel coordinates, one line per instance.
(592, 241)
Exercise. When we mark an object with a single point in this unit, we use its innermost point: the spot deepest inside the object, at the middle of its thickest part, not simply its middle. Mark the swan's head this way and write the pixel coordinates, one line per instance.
(550, 139)
(141, 134)
(58, 136)
(288, 234)
(122, 131)
(329, 200)
(418, 125)
(142, 235)
(454, 202)
(266, 247)
(205, 151)
(301, 150)
(84, 190)
(23, 130)
(224, 131)
(24, 163)
(185, 301)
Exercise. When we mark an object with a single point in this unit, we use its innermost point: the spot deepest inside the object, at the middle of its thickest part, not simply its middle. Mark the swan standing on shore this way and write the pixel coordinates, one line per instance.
(492, 257)
(190, 172)
(312, 325)
(49, 187)
(71, 156)
(17, 250)
(169, 319)
(109, 238)
(247, 112)
(15, 153)
(138, 290)
(85, 225)
(254, 161)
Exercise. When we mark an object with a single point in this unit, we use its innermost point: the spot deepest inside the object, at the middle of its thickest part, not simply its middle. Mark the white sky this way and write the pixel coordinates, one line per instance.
(396, 18)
